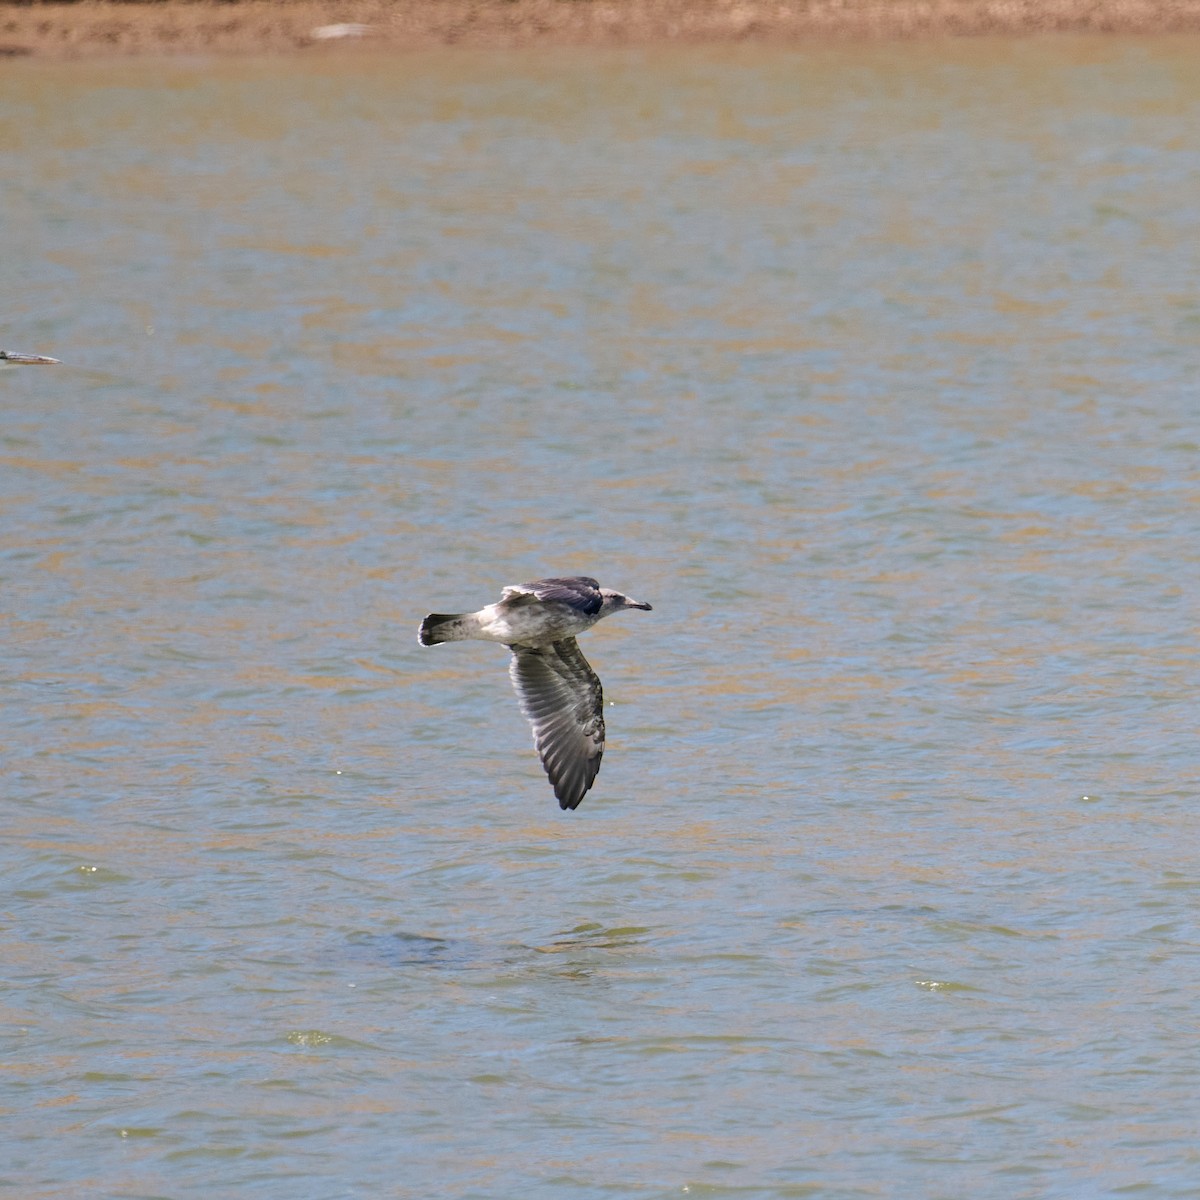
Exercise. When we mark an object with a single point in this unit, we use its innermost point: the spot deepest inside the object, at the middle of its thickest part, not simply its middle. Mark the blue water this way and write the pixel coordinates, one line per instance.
(871, 367)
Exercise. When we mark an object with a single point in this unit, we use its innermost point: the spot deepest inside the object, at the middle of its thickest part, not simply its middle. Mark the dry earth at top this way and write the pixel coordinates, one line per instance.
(91, 28)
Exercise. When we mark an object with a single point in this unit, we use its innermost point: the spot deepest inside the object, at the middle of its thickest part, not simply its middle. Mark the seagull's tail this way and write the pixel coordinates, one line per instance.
(443, 627)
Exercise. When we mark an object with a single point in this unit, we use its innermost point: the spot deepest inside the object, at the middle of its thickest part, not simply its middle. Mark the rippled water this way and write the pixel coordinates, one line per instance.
(872, 368)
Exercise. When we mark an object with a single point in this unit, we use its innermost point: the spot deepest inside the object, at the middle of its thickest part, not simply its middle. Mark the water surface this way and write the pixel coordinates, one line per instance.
(873, 368)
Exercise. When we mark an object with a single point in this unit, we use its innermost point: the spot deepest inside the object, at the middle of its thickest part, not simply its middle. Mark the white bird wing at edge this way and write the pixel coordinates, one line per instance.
(563, 700)
(580, 592)
(16, 358)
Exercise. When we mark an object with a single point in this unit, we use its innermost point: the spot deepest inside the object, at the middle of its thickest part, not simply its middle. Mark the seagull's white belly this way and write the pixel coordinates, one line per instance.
(531, 624)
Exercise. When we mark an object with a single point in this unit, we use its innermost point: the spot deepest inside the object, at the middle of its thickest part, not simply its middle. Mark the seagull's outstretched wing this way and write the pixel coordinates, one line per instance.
(564, 702)
(581, 592)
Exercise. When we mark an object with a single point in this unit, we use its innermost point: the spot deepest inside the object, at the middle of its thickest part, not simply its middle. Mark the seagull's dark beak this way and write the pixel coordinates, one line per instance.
(637, 604)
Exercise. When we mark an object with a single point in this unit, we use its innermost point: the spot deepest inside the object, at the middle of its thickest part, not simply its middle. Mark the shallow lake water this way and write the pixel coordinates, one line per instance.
(873, 368)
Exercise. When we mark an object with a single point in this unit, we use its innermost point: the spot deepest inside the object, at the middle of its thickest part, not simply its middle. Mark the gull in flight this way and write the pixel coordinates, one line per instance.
(557, 690)
(10, 358)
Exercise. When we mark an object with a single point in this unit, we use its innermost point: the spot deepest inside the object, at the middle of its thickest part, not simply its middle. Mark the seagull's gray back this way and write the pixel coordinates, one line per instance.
(580, 592)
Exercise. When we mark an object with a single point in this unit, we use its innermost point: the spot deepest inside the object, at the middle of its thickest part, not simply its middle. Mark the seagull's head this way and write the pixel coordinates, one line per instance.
(615, 601)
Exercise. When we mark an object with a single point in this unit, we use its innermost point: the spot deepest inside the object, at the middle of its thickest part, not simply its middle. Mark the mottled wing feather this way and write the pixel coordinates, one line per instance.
(562, 699)
(581, 592)
(517, 595)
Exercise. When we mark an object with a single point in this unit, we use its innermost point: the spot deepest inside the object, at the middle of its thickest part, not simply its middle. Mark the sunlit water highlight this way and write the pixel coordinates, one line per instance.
(872, 368)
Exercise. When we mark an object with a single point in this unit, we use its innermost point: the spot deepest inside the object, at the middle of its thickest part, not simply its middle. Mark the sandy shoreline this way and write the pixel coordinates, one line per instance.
(94, 28)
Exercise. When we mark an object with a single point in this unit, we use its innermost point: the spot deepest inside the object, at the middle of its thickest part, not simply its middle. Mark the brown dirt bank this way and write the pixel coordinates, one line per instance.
(90, 28)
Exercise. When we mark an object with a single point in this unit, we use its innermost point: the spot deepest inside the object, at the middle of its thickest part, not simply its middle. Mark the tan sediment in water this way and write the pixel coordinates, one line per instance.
(91, 28)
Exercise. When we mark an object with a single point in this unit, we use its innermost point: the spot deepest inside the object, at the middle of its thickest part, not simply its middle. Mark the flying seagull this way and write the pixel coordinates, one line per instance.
(557, 690)
(10, 358)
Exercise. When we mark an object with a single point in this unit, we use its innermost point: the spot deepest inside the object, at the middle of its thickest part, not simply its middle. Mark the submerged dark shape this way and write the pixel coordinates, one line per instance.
(558, 691)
